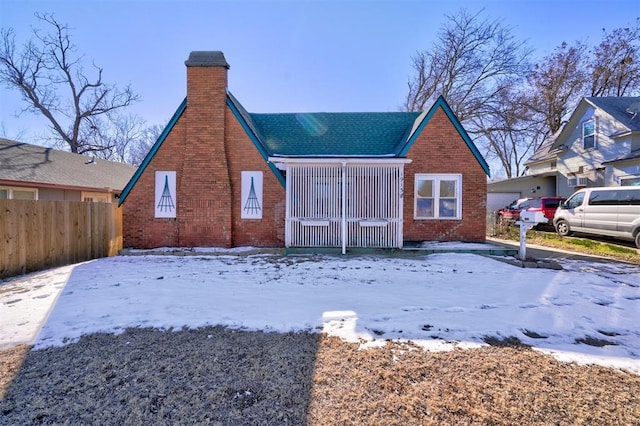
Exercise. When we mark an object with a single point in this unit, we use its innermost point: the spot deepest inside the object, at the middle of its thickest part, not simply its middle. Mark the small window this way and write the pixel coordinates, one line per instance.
(16, 193)
(438, 196)
(96, 197)
(589, 134)
(634, 181)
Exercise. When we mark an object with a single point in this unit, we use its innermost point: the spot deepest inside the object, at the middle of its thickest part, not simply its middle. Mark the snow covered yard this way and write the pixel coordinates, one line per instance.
(584, 313)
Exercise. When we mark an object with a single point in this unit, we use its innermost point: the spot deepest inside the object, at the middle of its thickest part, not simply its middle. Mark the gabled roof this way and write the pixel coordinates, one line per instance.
(361, 134)
(625, 109)
(327, 135)
(546, 151)
(26, 163)
(619, 108)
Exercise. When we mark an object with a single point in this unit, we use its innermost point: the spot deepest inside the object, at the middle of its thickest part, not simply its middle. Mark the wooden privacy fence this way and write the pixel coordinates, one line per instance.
(36, 235)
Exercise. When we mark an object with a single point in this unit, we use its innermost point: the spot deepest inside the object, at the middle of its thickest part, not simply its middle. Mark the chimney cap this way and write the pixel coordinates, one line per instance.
(201, 58)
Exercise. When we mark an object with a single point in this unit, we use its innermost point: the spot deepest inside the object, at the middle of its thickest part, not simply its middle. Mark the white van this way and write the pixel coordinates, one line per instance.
(612, 211)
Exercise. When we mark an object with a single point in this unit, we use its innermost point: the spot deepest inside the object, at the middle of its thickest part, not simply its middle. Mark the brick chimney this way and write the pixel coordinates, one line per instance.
(205, 202)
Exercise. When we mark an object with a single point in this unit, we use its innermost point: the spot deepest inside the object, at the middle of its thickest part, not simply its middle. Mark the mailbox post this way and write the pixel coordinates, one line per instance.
(527, 221)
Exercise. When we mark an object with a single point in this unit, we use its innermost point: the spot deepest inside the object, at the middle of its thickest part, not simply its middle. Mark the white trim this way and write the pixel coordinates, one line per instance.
(436, 178)
(595, 132)
(373, 223)
(311, 222)
(340, 161)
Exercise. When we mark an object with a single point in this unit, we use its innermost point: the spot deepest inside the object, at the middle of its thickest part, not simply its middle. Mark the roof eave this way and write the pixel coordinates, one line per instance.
(442, 103)
(36, 184)
(255, 140)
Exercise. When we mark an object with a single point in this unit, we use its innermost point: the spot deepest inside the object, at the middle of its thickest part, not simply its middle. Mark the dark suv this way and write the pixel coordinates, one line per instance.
(547, 205)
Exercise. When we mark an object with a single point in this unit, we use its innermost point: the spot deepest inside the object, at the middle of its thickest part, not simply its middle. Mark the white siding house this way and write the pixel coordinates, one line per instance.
(598, 146)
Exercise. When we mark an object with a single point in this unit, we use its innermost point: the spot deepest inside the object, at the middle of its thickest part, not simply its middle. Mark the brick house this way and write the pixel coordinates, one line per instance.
(220, 176)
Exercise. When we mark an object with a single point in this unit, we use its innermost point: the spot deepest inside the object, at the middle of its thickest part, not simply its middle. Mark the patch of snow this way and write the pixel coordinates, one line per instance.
(439, 301)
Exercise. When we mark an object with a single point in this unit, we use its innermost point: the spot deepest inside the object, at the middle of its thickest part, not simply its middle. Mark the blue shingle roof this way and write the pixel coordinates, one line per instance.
(333, 134)
(625, 109)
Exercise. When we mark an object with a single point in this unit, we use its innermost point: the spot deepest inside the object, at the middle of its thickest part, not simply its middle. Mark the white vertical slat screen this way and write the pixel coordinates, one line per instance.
(373, 210)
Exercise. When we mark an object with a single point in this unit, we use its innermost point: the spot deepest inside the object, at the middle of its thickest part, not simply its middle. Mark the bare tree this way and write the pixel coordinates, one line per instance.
(557, 83)
(615, 64)
(472, 60)
(510, 131)
(130, 139)
(48, 73)
(140, 150)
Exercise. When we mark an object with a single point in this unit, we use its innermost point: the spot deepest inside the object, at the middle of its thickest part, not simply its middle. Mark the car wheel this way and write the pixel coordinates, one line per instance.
(638, 239)
(562, 228)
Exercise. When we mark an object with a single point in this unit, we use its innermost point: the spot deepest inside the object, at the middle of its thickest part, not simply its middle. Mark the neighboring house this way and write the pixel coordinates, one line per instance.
(220, 176)
(598, 146)
(31, 172)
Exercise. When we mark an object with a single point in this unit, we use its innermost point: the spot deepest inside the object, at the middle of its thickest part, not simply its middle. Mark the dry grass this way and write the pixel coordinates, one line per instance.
(399, 385)
(612, 249)
(218, 376)
(10, 363)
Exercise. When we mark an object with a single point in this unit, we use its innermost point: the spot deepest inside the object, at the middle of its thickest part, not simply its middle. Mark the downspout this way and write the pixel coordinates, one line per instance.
(344, 207)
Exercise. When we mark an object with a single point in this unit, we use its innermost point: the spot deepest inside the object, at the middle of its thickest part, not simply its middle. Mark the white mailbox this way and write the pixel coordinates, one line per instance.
(527, 221)
(533, 217)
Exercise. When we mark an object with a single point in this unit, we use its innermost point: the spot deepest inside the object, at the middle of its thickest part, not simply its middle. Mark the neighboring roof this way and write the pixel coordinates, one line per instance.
(546, 151)
(326, 135)
(625, 109)
(26, 163)
(631, 156)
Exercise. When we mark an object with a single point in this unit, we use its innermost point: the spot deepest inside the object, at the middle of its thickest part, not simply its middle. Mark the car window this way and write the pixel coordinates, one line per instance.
(524, 205)
(603, 198)
(575, 200)
(631, 197)
(535, 203)
(551, 203)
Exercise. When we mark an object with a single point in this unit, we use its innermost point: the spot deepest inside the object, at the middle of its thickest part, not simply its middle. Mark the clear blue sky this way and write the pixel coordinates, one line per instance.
(285, 56)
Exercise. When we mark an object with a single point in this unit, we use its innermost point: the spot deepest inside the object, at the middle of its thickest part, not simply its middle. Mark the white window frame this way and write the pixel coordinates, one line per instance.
(96, 197)
(10, 190)
(584, 136)
(437, 178)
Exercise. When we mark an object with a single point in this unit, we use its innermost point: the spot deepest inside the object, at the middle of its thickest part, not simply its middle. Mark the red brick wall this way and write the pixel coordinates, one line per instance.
(208, 149)
(140, 228)
(204, 192)
(440, 149)
(244, 156)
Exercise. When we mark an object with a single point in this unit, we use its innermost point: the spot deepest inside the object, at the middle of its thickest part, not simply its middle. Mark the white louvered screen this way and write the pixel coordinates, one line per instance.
(372, 215)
